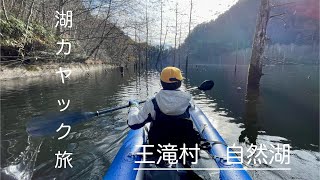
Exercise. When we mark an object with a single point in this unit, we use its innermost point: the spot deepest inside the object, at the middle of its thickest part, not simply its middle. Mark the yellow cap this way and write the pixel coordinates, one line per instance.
(171, 75)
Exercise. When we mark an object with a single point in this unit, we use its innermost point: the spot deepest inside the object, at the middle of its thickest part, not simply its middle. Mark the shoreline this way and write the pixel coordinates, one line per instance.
(47, 70)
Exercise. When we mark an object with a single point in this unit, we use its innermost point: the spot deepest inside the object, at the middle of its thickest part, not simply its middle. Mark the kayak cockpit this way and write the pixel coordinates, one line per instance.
(124, 165)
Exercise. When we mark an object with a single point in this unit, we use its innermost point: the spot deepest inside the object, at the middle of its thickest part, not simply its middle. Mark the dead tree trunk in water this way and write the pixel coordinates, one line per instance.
(179, 48)
(188, 46)
(147, 34)
(175, 37)
(235, 66)
(255, 67)
(160, 46)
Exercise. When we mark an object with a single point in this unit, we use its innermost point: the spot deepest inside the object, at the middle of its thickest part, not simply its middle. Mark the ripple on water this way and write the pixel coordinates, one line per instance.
(96, 142)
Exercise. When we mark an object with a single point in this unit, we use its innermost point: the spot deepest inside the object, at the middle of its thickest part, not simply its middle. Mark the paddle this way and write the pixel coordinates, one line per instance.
(47, 125)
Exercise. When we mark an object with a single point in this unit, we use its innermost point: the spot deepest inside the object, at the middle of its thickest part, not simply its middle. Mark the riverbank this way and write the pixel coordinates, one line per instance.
(47, 70)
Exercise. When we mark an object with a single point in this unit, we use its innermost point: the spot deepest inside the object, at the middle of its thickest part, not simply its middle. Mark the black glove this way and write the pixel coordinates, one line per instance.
(133, 103)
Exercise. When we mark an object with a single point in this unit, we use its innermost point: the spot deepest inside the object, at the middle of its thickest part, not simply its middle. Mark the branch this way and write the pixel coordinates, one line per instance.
(285, 23)
(277, 5)
(4, 10)
(281, 14)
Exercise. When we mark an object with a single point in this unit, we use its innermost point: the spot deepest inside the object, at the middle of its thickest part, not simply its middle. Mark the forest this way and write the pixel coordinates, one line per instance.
(121, 32)
(29, 33)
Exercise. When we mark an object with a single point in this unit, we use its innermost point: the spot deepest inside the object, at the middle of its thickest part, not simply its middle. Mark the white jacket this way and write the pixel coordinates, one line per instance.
(170, 102)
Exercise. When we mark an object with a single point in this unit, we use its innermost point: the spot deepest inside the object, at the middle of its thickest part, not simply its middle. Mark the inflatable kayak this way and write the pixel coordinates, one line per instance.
(123, 166)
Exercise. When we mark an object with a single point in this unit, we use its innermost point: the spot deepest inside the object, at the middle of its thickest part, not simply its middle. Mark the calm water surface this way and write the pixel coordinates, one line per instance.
(284, 111)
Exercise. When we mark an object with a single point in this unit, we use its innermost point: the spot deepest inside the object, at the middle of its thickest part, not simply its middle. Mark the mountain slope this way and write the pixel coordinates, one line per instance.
(299, 25)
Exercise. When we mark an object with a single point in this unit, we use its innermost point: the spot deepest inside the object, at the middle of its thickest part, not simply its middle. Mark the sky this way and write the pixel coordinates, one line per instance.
(203, 11)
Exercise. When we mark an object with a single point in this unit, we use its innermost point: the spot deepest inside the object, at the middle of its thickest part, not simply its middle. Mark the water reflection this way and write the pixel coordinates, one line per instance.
(250, 118)
(288, 99)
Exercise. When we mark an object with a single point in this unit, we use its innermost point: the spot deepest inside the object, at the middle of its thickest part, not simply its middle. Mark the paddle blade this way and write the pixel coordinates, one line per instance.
(47, 125)
(206, 85)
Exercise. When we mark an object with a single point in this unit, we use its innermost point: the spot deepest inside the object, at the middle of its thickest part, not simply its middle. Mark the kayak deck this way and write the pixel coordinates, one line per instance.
(124, 164)
(176, 173)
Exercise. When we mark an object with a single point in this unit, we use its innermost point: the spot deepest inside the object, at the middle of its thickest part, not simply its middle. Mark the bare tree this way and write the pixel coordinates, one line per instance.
(60, 7)
(29, 15)
(175, 36)
(255, 67)
(160, 46)
(235, 66)
(4, 10)
(147, 35)
(188, 49)
(101, 33)
(179, 55)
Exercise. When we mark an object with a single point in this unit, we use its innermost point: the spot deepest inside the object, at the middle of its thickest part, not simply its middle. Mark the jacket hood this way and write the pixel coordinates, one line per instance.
(173, 102)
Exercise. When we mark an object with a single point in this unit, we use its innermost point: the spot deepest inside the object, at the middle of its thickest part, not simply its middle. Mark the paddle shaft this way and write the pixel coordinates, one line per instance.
(47, 125)
(98, 113)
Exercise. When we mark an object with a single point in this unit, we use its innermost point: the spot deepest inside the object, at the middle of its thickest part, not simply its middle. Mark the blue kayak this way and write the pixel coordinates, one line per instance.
(123, 165)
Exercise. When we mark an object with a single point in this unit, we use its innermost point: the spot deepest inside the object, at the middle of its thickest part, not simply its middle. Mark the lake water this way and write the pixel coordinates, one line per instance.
(284, 111)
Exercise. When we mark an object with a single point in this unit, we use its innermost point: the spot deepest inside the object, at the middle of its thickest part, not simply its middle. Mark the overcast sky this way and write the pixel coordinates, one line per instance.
(203, 11)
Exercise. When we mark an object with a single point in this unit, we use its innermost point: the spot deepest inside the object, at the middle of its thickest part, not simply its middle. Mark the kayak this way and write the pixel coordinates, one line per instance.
(123, 166)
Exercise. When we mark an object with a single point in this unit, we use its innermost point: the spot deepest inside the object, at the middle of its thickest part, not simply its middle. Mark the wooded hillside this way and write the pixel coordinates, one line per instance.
(29, 32)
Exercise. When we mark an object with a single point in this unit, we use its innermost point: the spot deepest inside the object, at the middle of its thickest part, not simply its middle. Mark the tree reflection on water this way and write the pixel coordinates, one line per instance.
(250, 118)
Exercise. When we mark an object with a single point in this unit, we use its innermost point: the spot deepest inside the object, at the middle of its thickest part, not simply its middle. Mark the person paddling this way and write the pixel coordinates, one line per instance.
(168, 113)
(170, 102)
